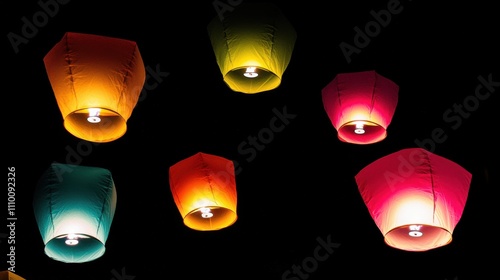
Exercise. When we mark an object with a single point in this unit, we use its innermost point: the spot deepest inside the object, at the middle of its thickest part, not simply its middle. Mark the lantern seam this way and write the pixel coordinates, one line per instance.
(127, 73)
(209, 181)
(70, 72)
(99, 220)
(372, 99)
(431, 175)
(226, 41)
(50, 207)
(339, 100)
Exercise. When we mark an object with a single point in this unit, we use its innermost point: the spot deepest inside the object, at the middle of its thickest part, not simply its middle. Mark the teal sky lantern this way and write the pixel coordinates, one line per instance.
(74, 208)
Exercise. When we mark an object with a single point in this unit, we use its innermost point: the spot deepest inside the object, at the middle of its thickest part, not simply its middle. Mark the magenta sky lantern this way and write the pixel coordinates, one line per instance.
(415, 197)
(360, 106)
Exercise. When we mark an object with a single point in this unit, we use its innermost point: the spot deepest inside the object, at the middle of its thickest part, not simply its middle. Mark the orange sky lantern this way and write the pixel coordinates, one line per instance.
(97, 81)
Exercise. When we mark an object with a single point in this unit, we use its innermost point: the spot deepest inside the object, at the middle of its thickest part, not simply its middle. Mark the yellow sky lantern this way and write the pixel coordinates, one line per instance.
(253, 46)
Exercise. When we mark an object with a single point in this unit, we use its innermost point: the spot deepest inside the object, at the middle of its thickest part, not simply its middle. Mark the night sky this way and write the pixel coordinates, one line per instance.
(300, 215)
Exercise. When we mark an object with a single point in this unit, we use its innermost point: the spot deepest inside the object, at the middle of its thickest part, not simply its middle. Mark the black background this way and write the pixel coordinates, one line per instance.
(297, 189)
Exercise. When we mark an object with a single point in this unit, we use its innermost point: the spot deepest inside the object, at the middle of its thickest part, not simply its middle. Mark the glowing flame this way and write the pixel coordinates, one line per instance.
(359, 128)
(206, 213)
(94, 115)
(250, 72)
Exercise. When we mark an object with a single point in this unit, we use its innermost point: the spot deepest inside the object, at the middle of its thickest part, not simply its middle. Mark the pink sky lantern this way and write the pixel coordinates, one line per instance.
(360, 106)
(415, 197)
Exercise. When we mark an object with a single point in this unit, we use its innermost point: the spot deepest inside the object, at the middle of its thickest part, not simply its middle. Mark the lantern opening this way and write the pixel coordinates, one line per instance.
(98, 124)
(74, 248)
(361, 132)
(425, 238)
(252, 78)
(210, 218)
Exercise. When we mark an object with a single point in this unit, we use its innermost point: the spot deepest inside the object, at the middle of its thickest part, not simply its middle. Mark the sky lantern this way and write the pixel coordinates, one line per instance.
(74, 207)
(97, 81)
(253, 45)
(415, 197)
(204, 190)
(360, 106)
(9, 275)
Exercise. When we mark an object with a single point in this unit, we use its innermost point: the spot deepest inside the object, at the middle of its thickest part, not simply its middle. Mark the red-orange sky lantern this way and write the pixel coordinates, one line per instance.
(204, 189)
(97, 81)
(360, 106)
(415, 197)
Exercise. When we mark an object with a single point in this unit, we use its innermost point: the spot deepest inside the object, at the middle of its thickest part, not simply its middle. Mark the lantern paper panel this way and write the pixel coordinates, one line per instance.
(253, 46)
(204, 190)
(9, 275)
(74, 207)
(360, 106)
(96, 81)
(415, 197)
